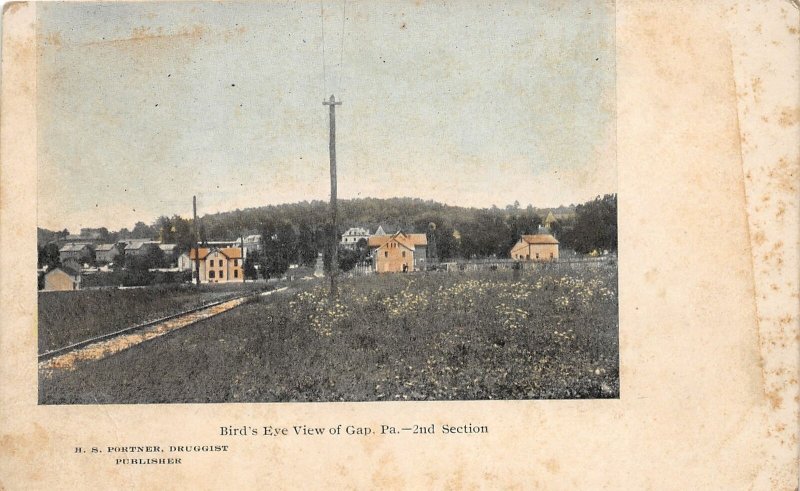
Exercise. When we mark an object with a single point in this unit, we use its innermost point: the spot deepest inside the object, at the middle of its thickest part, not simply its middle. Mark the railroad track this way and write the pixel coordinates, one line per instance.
(108, 344)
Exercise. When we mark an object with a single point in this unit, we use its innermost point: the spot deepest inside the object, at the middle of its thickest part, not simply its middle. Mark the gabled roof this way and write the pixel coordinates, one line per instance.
(409, 240)
(540, 239)
(73, 247)
(405, 244)
(136, 245)
(167, 247)
(105, 247)
(66, 269)
(228, 252)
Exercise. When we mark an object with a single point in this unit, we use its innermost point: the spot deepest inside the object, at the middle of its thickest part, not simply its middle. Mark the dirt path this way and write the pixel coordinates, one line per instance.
(108, 347)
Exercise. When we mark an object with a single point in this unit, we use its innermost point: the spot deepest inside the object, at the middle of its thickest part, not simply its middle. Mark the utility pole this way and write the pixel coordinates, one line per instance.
(241, 253)
(196, 240)
(334, 269)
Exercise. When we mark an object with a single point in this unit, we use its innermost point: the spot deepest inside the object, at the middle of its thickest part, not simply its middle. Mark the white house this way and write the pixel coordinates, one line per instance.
(353, 235)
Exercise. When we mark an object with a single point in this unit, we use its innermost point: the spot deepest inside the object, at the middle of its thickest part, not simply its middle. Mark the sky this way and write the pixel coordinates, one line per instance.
(470, 103)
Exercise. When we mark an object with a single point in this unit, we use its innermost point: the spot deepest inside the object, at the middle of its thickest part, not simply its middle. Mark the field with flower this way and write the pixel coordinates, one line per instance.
(545, 333)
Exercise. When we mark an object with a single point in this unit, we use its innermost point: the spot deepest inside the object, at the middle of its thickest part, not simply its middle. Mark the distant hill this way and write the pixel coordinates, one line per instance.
(457, 232)
(409, 214)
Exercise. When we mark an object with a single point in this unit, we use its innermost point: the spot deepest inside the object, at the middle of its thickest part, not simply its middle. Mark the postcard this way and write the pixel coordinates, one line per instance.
(399, 245)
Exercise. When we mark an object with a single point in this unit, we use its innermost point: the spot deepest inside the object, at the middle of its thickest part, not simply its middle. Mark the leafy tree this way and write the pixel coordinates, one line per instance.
(142, 231)
(155, 258)
(250, 271)
(183, 233)
(595, 226)
(279, 247)
(348, 258)
(307, 246)
(48, 256)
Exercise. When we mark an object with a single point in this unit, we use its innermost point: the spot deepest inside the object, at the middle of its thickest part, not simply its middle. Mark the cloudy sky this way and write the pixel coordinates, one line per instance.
(468, 103)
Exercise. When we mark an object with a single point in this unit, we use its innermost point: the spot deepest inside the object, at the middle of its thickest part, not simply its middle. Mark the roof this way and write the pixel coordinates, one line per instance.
(409, 240)
(66, 269)
(357, 231)
(229, 252)
(76, 247)
(138, 244)
(167, 247)
(540, 239)
(105, 247)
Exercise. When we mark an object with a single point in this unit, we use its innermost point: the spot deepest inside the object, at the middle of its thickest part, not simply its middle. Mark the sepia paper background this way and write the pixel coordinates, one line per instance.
(707, 144)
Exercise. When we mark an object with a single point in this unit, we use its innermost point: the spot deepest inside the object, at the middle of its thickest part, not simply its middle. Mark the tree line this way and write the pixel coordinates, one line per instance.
(296, 233)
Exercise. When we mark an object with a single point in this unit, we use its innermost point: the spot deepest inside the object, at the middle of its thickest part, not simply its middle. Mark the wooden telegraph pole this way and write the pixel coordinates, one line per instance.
(196, 241)
(334, 269)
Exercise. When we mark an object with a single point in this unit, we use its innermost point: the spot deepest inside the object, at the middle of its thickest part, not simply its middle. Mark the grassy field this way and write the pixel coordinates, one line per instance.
(69, 317)
(439, 336)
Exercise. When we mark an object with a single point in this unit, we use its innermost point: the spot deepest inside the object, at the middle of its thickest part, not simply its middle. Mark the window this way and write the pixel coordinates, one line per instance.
(385, 253)
(220, 263)
(404, 253)
(537, 255)
(211, 274)
(235, 273)
(235, 262)
(221, 274)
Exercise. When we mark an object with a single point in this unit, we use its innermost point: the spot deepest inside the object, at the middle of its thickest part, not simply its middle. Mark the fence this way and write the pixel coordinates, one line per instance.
(495, 264)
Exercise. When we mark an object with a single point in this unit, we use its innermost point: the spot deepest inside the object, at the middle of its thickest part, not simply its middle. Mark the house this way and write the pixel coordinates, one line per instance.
(62, 278)
(252, 243)
(170, 252)
(398, 252)
(139, 247)
(106, 253)
(80, 251)
(353, 235)
(539, 247)
(185, 262)
(218, 265)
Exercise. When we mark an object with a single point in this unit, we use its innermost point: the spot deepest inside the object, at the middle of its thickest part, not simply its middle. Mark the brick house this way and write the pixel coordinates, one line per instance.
(398, 252)
(218, 265)
(539, 247)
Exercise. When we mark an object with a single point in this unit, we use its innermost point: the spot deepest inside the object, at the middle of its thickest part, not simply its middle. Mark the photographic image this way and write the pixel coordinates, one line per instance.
(326, 202)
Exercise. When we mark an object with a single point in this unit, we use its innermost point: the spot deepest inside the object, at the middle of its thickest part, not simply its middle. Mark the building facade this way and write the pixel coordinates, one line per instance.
(398, 252)
(81, 252)
(539, 247)
(106, 253)
(351, 237)
(218, 265)
(184, 262)
(63, 278)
